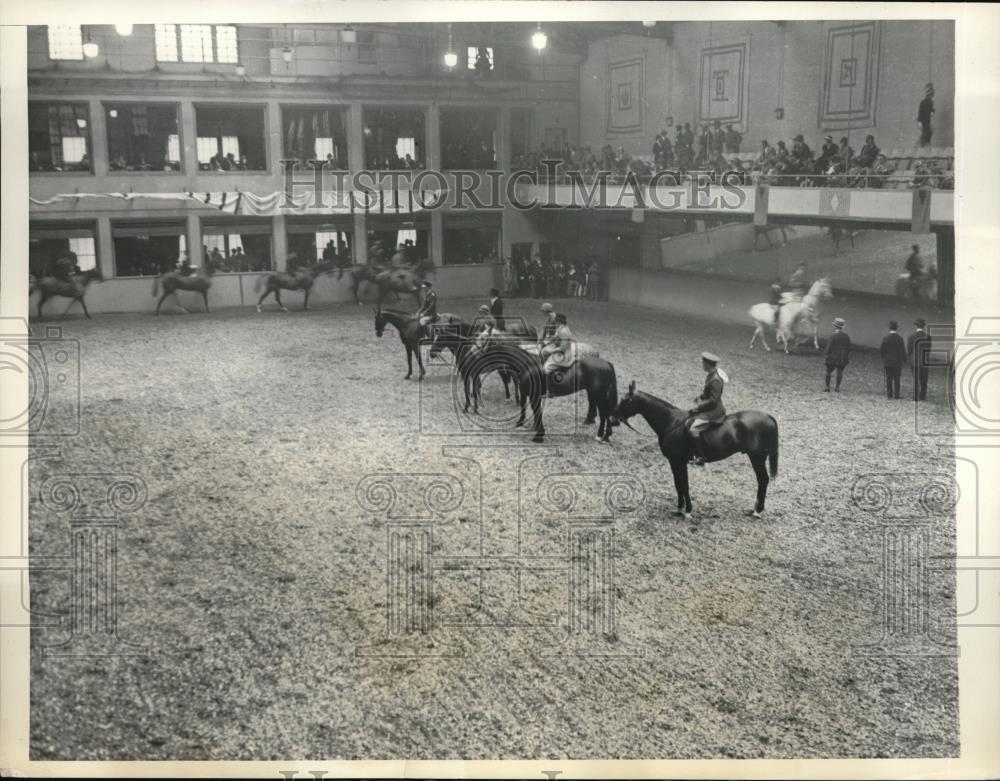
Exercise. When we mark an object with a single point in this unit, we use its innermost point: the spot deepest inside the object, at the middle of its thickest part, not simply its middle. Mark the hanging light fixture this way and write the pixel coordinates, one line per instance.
(450, 58)
(286, 54)
(123, 29)
(90, 48)
(241, 69)
(348, 35)
(539, 39)
(649, 24)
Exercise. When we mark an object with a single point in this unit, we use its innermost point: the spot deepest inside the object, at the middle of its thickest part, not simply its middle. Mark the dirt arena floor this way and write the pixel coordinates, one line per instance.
(258, 571)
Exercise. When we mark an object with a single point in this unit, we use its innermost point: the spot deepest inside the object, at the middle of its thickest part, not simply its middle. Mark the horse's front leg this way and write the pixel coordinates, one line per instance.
(679, 471)
(305, 304)
(260, 300)
(204, 297)
(41, 302)
(523, 399)
(409, 362)
(536, 406)
(816, 336)
(277, 297)
(420, 361)
(84, 305)
(760, 470)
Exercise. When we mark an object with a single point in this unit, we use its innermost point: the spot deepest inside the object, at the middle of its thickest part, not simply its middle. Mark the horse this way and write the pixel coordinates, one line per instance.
(301, 279)
(751, 432)
(459, 338)
(924, 287)
(765, 230)
(410, 332)
(390, 280)
(74, 288)
(172, 281)
(837, 234)
(596, 376)
(790, 315)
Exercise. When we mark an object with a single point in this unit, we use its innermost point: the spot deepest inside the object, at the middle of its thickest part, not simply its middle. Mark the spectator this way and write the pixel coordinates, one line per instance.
(838, 351)
(924, 114)
(869, 153)
(917, 349)
(881, 171)
(893, 359)
(704, 143)
(827, 153)
(508, 276)
(802, 155)
(915, 264)
(766, 156)
(844, 156)
(718, 145)
(688, 136)
(662, 153)
(733, 140)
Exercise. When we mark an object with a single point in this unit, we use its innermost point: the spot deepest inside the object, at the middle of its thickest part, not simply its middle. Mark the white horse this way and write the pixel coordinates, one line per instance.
(794, 318)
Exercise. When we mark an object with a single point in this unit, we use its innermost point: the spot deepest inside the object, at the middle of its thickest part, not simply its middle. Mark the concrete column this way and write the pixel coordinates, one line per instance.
(360, 238)
(946, 266)
(437, 238)
(274, 141)
(105, 247)
(356, 137)
(189, 144)
(279, 243)
(434, 137)
(98, 138)
(503, 138)
(192, 234)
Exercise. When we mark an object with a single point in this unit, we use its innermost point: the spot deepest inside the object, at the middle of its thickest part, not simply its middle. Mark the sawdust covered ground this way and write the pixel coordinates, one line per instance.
(256, 573)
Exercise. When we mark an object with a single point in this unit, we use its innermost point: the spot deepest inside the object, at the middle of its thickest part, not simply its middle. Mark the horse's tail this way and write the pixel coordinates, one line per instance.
(772, 449)
(156, 285)
(613, 389)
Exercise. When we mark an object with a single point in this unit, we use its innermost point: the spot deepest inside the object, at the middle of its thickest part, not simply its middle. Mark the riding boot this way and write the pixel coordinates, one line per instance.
(697, 459)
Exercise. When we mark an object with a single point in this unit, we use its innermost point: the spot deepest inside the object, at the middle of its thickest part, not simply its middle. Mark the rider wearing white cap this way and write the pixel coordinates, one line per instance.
(708, 407)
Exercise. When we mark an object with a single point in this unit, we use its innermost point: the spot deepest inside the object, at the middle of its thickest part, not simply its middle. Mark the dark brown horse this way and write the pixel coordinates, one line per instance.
(200, 281)
(300, 279)
(410, 333)
(460, 340)
(74, 288)
(751, 432)
(403, 281)
(593, 375)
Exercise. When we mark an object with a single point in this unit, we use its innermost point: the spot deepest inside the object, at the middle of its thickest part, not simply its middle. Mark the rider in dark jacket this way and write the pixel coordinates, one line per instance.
(708, 408)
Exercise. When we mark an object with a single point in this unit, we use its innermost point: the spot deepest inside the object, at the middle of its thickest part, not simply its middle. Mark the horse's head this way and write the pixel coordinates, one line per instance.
(380, 321)
(626, 408)
(821, 288)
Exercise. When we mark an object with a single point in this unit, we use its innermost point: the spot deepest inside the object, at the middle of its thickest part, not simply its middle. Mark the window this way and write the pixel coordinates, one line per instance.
(144, 248)
(480, 58)
(142, 137)
(230, 138)
(50, 241)
(197, 43)
(468, 138)
(315, 134)
(471, 239)
(314, 241)
(58, 137)
(394, 138)
(236, 245)
(65, 42)
(391, 240)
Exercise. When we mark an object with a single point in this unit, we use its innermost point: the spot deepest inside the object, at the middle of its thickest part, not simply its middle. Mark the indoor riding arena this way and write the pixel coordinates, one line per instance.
(257, 531)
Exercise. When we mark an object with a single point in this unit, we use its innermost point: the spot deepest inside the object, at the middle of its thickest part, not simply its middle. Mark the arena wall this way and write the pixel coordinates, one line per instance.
(911, 54)
(729, 300)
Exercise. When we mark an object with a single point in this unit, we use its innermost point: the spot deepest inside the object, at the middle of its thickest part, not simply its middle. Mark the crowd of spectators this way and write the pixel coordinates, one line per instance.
(538, 278)
(716, 151)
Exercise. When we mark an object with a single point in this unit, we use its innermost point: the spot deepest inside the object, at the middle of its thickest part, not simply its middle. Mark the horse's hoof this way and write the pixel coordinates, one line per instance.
(603, 440)
(283, 309)
(538, 438)
(754, 514)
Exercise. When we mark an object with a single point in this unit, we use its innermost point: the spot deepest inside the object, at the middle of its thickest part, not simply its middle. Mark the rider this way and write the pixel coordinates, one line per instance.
(915, 264)
(427, 313)
(560, 351)
(708, 408)
(549, 326)
(797, 281)
(65, 266)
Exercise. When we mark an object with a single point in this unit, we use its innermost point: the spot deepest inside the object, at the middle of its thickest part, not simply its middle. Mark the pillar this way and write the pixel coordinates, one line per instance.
(356, 137)
(946, 266)
(360, 238)
(189, 142)
(192, 234)
(433, 138)
(437, 238)
(279, 243)
(98, 138)
(105, 247)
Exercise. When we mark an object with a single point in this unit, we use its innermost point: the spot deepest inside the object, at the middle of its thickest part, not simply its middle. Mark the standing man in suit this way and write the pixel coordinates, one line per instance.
(496, 308)
(917, 347)
(924, 113)
(838, 352)
(893, 359)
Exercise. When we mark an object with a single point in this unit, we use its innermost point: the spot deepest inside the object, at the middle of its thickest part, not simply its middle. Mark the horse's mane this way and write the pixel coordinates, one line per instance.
(656, 400)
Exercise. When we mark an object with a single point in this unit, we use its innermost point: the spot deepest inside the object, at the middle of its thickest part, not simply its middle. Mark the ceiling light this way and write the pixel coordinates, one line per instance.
(450, 59)
(348, 35)
(90, 49)
(286, 54)
(241, 69)
(123, 29)
(113, 113)
(539, 39)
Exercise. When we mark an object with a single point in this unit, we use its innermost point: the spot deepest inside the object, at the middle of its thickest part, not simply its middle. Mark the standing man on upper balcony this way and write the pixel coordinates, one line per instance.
(924, 114)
